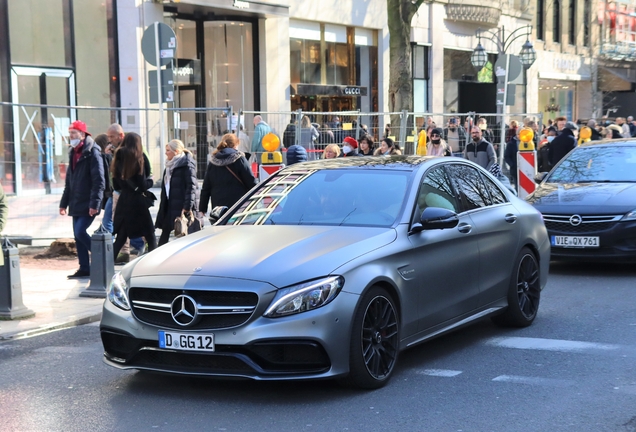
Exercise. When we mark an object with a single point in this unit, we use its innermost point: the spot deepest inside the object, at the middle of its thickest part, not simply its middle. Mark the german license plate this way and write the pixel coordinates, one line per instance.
(575, 241)
(186, 341)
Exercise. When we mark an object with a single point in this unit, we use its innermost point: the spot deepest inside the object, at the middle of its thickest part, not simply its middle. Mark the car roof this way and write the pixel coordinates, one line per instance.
(625, 142)
(396, 162)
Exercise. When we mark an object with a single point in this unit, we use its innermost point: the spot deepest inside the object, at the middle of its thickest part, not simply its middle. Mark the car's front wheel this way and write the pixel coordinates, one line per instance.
(375, 340)
(524, 292)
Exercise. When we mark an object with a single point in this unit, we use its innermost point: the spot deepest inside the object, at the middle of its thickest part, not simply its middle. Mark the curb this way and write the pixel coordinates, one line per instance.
(73, 321)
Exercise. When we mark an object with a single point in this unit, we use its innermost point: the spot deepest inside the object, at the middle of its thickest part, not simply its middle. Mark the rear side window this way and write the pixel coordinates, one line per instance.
(496, 195)
(472, 190)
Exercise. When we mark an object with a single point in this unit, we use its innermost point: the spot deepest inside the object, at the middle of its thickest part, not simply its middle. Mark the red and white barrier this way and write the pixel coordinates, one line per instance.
(526, 170)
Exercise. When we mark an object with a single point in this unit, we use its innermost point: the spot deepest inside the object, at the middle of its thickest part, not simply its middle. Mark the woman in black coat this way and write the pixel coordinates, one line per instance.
(228, 175)
(178, 188)
(131, 177)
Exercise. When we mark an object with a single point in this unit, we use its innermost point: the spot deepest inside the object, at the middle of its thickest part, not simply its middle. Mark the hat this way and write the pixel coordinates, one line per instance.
(571, 125)
(351, 141)
(437, 131)
(79, 125)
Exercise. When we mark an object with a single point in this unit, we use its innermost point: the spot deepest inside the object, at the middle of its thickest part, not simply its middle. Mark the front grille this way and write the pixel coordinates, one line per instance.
(190, 362)
(561, 223)
(262, 358)
(217, 309)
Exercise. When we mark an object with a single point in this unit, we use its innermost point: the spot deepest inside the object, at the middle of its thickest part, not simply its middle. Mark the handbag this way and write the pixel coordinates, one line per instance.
(195, 225)
(181, 224)
(149, 198)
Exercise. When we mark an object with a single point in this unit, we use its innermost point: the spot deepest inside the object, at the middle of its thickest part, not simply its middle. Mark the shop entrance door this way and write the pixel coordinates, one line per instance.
(40, 132)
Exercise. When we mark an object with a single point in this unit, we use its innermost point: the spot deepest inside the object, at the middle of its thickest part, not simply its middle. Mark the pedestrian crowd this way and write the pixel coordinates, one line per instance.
(112, 173)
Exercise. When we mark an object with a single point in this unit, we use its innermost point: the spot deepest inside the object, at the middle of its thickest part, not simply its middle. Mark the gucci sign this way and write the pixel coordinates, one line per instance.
(352, 91)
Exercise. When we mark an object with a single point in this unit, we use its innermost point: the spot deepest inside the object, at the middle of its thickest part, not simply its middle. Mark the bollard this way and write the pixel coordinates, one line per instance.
(102, 263)
(11, 306)
(526, 164)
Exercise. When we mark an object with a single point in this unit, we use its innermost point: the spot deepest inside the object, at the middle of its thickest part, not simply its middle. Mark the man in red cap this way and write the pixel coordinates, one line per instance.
(349, 147)
(83, 191)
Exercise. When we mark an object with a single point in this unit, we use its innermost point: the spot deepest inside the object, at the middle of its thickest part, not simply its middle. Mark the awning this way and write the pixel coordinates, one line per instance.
(628, 75)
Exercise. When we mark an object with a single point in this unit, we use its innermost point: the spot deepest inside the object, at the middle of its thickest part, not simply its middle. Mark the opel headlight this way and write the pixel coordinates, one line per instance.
(304, 297)
(116, 292)
(630, 216)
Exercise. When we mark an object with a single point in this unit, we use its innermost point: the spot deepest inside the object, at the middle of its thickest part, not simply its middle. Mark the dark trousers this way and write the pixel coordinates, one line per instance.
(165, 236)
(122, 236)
(82, 240)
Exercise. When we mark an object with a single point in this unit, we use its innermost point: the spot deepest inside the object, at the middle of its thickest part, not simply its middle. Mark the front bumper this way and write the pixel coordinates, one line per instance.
(308, 345)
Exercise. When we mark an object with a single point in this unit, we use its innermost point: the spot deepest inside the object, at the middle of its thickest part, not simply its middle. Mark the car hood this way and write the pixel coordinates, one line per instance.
(280, 255)
(603, 198)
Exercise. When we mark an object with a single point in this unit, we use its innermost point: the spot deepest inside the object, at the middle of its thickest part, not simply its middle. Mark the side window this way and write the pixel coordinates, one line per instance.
(496, 195)
(436, 191)
(472, 190)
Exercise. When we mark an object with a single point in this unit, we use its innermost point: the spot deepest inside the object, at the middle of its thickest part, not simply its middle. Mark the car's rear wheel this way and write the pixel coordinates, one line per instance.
(375, 340)
(524, 292)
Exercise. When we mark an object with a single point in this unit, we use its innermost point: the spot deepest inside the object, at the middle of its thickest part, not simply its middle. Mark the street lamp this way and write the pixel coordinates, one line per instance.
(507, 68)
(527, 55)
(479, 58)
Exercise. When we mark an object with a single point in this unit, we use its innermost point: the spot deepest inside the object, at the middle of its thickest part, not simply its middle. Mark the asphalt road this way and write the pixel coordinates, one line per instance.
(573, 370)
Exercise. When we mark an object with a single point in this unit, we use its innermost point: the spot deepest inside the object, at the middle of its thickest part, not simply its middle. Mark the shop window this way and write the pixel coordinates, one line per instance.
(305, 61)
(36, 32)
(420, 78)
(92, 70)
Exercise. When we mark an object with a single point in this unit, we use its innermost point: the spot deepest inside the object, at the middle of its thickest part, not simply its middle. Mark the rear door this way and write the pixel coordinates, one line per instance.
(446, 262)
(495, 227)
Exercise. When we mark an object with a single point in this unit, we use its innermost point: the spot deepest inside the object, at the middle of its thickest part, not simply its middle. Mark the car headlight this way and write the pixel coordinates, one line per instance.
(116, 292)
(630, 216)
(304, 297)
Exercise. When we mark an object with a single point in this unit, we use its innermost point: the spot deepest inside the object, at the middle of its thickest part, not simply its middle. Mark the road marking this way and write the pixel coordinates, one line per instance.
(515, 379)
(439, 372)
(549, 344)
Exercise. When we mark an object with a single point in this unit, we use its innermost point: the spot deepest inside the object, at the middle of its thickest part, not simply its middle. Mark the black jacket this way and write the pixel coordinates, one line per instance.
(219, 185)
(510, 154)
(596, 136)
(132, 210)
(296, 154)
(84, 185)
(561, 145)
(183, 192)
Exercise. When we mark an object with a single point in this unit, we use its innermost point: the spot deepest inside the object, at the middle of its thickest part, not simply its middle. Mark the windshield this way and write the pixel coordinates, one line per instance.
(348, 197)
(596, 164)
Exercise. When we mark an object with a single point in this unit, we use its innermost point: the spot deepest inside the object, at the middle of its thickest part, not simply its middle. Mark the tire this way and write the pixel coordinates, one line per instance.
(524, 292)
(375, 339)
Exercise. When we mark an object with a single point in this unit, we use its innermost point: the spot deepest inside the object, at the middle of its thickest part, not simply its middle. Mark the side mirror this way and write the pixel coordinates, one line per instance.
(435, 218)
(217, 213)
(538, 177)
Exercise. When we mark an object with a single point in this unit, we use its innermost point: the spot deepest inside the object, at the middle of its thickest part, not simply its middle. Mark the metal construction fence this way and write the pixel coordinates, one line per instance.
(34, 141)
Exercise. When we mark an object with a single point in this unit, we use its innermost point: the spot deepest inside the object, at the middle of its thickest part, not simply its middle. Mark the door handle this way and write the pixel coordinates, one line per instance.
(510, 218)
(464, 228)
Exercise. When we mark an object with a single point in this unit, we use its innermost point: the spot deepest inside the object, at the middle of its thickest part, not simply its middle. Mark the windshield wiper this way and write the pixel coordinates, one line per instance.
(347, 216)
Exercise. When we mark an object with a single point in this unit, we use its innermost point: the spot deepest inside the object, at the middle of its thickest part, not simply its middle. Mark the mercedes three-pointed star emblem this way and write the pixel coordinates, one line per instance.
(184, 310)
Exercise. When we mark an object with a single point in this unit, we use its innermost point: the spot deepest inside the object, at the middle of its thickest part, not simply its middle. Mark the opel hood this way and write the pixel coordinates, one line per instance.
(602, 198)
(280, 255)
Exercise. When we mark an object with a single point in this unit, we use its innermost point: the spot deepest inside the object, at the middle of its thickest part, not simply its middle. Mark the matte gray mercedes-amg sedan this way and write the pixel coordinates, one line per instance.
(329, 269)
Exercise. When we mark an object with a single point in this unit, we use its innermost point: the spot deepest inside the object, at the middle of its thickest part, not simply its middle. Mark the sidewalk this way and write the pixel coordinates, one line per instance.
(54, 299)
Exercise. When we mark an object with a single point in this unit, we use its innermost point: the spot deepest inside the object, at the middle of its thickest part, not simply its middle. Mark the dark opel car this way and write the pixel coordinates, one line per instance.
(329, 269)
(588, 202)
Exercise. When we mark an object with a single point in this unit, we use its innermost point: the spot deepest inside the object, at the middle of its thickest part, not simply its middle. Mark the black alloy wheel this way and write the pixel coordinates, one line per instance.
(374, 340)
(524, 293)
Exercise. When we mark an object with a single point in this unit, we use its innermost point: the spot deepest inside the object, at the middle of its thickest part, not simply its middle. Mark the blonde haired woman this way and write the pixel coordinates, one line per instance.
(228, 176)
(308, 136)
(332, 151)
(178, 188)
